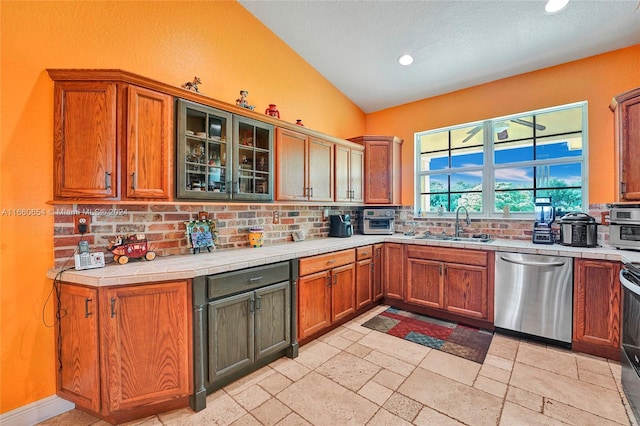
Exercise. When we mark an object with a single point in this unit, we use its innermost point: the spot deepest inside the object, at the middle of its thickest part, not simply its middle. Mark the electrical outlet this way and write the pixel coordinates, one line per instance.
(276, 217)
(81, 223)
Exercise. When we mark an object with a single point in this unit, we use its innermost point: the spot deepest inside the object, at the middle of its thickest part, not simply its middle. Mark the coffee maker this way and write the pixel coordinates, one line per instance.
(340, 225)
(545, 215)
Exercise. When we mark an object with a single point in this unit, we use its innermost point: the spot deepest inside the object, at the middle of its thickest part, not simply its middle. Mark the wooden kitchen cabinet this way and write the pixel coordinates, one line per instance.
(125, 352)
(349, 174)
(149, 142)
(85, 140)
(394, 271)
(597, 300)
(383, 168)
(448, 279)
(378, 272)
(364, 276)
(326, 291)
(304, 167)
(248, 327)
(626, 109)
(112, 140)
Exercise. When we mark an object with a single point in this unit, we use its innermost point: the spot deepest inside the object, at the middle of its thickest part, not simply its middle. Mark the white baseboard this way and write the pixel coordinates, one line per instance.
(36, 412)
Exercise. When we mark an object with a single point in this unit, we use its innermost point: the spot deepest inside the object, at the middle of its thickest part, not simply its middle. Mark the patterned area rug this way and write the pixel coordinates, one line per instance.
(466, 342)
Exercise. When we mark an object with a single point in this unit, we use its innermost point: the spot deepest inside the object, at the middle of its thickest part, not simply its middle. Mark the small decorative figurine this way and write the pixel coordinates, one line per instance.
(192, 85)
(131, 246)
(272, 111)
(242, 101)
(299, 122)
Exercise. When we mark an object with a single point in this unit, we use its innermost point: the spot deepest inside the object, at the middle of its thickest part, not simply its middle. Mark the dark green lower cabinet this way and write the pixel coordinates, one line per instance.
(242, 321)
(248, 327)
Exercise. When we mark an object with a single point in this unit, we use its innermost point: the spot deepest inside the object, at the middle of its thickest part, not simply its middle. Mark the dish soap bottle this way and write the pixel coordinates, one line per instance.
(440, 210)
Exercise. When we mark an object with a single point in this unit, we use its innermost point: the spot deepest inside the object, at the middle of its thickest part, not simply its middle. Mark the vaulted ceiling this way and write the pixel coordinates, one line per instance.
(456, 44)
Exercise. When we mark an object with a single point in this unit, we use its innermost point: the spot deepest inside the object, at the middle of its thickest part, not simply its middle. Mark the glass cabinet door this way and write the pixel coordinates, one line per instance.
(204, 152)
(253, 159)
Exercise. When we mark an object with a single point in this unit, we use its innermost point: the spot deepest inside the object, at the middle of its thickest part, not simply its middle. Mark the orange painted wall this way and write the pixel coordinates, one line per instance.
(596, 79)
(170, 41)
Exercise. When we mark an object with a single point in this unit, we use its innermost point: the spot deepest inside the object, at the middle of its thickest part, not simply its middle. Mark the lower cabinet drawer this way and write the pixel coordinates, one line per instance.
(228, 283)
(311, 265)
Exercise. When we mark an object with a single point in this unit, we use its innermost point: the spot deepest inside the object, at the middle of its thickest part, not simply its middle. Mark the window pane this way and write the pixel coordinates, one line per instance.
(567, 200)
(434, 183)
(434, 142)
(434, 161)
(518, 201)
(563, 121)
(559, 146)
(514, 177)
(431, 202)
(467, 157)
(472, 201)
(513, 129)
(559, 175)
(470, 181)
(467, 136)
(509, 152)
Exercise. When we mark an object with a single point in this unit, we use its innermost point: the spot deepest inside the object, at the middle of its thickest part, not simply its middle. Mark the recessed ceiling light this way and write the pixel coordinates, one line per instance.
(405, 59)
(555, 6)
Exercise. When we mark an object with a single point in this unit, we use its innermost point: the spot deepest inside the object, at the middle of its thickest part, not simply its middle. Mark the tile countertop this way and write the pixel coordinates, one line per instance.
(193, 265)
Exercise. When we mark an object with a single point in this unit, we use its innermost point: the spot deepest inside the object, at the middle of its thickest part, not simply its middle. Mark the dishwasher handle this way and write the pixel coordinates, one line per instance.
(537, 264)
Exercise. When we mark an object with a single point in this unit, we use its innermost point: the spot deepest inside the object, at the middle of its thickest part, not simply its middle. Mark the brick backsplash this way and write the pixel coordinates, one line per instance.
(164, 225)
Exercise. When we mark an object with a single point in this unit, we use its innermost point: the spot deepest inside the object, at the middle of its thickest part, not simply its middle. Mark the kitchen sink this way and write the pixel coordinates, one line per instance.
(481, 238)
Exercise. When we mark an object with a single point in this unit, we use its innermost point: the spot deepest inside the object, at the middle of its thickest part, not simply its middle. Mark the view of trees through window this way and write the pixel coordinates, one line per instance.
(509, 161)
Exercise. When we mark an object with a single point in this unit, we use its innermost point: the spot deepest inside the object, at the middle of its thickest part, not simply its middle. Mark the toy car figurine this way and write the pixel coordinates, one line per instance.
(132, 246)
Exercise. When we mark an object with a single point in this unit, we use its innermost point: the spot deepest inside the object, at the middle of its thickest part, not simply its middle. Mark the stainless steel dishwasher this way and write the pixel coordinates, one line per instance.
(534, 295)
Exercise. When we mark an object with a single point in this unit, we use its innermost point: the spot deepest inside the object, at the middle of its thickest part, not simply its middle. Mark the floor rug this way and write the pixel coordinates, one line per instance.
(457, 339)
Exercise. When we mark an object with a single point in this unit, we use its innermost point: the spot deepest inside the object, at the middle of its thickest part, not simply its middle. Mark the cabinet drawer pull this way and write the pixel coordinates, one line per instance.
(113, 307)
(255, 279)
(365, 253)
(107, 180)
(332, 261)
(86, 307)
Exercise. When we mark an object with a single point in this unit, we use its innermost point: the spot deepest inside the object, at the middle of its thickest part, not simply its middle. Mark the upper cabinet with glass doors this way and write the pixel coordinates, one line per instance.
(222, 156)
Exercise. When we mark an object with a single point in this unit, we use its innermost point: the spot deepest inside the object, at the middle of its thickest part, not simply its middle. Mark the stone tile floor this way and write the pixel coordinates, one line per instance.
(357, 376)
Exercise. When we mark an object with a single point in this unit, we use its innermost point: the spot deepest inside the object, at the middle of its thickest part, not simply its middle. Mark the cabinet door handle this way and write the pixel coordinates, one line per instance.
(328, 281)
(440, 269)
(311, 192)
(252, 305)
(107, 180)
(258, 303)
(335, 279)
(113, 307)
(134, 183)
(86, 307)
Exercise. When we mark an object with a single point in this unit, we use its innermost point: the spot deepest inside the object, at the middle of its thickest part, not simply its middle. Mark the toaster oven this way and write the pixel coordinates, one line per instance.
(378, 221)
(624, 226)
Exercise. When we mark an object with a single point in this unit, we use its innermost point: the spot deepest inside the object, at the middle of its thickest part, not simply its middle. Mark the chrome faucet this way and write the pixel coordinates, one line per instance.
(458, 228)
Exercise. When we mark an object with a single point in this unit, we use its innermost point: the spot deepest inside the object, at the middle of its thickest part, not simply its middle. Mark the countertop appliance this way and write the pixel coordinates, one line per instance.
(378, 221)
(630, 351)
(545, 214)
(340, 225)
(578, 230)
(534, 295)
(624, 226)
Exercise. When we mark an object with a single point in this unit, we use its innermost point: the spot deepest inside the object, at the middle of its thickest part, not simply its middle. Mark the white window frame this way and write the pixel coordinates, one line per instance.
(488, 167)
